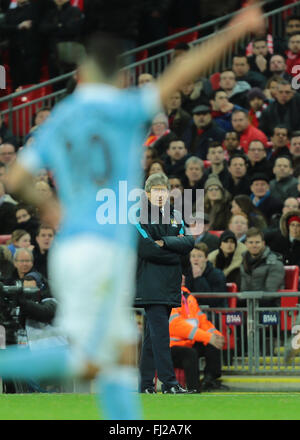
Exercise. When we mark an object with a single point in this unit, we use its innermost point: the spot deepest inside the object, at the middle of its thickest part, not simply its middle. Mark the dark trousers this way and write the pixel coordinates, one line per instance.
(187, 358)
(156, 352)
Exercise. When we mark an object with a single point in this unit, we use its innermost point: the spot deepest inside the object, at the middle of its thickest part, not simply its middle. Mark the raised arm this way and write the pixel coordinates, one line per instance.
(201, 58)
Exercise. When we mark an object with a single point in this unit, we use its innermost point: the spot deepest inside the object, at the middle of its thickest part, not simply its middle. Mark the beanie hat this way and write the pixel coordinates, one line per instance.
(256, 92)
(260, 176)
(38, 278)
(213, 180)
(226, 236)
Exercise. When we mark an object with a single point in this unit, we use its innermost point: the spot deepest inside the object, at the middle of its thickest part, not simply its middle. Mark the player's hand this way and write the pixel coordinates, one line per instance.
(160, 243)
(251, 18)
(217, 341)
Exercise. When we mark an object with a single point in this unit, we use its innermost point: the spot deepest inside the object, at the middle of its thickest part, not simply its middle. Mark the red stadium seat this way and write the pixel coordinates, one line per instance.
(217, 233)
(291, 285)
(4, 238)
(215, 80)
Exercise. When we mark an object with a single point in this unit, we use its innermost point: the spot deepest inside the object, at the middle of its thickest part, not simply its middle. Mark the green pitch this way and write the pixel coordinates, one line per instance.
(206, 406)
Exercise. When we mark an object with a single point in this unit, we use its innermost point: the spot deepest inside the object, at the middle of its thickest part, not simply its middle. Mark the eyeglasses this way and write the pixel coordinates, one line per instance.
(259, 150)
(24, 261)
(213, 188)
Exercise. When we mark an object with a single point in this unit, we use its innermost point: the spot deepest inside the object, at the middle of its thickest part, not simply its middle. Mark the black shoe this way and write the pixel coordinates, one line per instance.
(213, 385)
(149, 390)
(175, 389)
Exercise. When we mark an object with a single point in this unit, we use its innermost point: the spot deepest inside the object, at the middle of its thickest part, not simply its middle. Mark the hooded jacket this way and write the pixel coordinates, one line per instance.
(279, 240)
(188, 324)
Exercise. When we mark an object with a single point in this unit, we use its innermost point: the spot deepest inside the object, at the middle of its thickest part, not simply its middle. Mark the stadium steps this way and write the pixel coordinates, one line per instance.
(259, 383)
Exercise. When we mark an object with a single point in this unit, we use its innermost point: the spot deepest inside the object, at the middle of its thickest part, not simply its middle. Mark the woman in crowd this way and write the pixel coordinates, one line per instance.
(243, 204)
(228, 257)
(19, 239)
(216, 203)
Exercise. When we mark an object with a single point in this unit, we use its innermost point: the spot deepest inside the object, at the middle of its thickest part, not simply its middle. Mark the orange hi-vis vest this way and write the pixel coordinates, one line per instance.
(188, 324)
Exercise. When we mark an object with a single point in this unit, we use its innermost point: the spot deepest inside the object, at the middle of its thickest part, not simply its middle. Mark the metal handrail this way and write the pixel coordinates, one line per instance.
(199, 27)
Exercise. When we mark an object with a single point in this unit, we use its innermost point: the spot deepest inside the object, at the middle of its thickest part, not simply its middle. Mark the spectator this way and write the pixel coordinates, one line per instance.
(158, 283)
(7, 213)
(246, 131)
(211, 240)
(145, 78)
(156, 166)
(284, 110)
(203, 277)
(241, 68)
(201, 131)
(261, 269)
(23, 262)
(285, 184)
(286, 239)
(7, 154)
(259, 60)
(239, 225)
(27, 220)
(228, 257)
(218, 164)
(258, 162)
(271, 87)
(261, 197)
(278, 67)
(178, 118)
(193, 336)
(295, 149)
(195, 93)
(195, 176)
(20, 26)
(216, 203)
(257, 104)
(222, 109)
(235, 90)
(44, 239)
(160, 134)
(238, 182)
(63, 27)
(176, 158)
(293, 54)
(292, 24)
(19, 239)
(232, 142)
(290, 204)
(280, 141)
(242, 204)
(148, 157)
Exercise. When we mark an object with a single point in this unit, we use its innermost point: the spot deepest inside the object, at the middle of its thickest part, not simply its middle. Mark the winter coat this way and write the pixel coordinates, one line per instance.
(198, 144)
(284, 188)
(188, 324)
(159, 270)
(276, 114)
(278, 240)
(231, 272)
(265, 274)
(212, 280)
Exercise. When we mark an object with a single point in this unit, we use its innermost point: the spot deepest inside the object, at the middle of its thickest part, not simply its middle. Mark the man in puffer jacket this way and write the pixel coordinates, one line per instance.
(261, 269)
(192, 335)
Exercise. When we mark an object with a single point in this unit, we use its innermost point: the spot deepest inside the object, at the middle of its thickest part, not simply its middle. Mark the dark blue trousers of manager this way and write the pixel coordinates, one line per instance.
(156, 352)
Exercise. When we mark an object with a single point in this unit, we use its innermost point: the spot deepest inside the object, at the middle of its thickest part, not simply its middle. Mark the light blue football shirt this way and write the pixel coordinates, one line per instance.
(92, 141)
